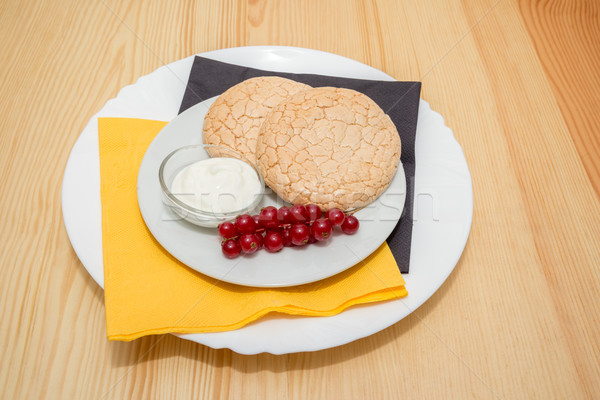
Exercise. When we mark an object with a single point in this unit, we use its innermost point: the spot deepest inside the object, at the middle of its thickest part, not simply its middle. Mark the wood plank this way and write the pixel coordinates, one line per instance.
(566, 36)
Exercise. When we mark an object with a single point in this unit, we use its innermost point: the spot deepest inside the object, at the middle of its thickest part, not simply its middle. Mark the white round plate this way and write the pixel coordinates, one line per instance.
(443, 201)
(199, 248)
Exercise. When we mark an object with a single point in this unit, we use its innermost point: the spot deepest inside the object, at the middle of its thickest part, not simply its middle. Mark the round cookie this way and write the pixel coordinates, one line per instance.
(329, 146)
(235, 118)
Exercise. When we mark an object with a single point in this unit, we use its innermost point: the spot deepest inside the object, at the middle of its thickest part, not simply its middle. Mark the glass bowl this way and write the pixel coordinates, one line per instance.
(187, 155)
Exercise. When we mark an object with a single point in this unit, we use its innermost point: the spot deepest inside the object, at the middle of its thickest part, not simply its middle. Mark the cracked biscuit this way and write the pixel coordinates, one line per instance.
(235, 118)
(329, 146)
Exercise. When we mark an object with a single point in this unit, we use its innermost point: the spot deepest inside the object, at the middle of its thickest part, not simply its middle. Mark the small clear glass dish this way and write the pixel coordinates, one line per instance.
(187, 155)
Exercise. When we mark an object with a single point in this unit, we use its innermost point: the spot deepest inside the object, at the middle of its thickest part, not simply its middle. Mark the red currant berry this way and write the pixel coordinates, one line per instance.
(231, 248)
(227, 230)
(311, 239)
(244, 224)
(260, 240)
(335, 216)
(257, 223)
(299, 234)
(273, 241)
(299, 213)
(284, 216)
(268, 217)
(350, 225)
(314, 212)
(321, 229)
(249, 243)
(287, 238)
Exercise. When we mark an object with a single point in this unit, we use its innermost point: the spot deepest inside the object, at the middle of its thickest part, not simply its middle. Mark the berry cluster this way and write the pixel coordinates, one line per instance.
(275, 228)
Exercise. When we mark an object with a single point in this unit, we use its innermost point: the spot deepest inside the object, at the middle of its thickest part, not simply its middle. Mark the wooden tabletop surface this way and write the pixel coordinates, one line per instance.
(518, 83)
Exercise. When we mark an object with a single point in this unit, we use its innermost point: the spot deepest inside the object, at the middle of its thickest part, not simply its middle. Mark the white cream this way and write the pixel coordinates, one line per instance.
(218, 185)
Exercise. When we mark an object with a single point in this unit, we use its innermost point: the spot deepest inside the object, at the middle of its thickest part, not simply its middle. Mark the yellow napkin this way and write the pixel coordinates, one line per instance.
(147, 291)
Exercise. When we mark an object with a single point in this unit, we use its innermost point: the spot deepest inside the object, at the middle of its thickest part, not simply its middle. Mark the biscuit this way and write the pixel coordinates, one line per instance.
(329, 146)
(235, 118)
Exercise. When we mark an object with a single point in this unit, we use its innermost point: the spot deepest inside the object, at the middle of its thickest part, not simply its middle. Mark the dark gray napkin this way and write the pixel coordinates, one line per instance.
(400, 100)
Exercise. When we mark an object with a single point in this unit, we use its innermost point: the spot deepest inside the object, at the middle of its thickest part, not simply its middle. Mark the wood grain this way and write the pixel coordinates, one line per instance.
(566, 36)
(515, 80)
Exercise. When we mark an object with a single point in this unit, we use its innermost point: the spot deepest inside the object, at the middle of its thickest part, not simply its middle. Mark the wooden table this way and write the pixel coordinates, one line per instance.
(516, 81)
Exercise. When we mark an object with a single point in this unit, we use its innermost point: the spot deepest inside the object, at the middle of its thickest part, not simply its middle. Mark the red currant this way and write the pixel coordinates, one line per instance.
(249, 243)
(284, 227)
(231, 248)
(284, 215)
(299, 234)
(260, 240)
(273, 241)
(244, 224)
(268, 217)
(299, 213)
(350, 225)
(287, 238)
(227, 230)
(257, 223)
(314, 212)
(335, 216)
(321, 229)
